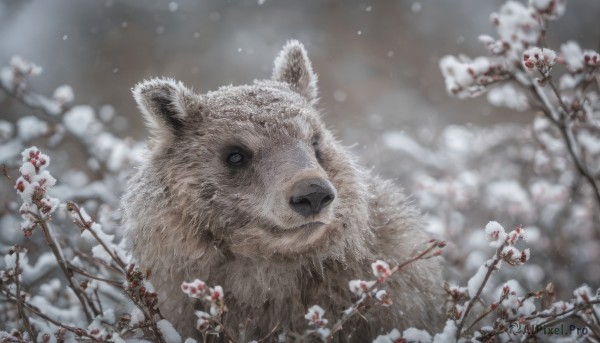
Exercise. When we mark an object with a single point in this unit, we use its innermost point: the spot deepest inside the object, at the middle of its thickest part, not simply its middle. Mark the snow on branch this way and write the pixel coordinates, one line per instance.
(518, 75)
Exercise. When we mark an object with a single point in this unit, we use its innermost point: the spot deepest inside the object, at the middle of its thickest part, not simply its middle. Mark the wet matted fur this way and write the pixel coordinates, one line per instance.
(190, 214)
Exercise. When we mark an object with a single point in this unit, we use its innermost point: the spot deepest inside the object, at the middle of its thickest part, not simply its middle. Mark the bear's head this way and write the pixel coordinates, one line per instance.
(252, 168)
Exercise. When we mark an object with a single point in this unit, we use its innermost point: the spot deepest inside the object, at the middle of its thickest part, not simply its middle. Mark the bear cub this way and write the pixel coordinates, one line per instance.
(246, 188)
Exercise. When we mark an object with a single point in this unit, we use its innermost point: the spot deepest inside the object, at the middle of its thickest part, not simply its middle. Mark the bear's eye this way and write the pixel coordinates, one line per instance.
(315, 141)
(315, 144)
(236, 158)
(236, 155)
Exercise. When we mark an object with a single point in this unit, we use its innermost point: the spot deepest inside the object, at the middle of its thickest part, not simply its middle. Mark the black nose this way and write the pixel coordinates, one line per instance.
(310, 196)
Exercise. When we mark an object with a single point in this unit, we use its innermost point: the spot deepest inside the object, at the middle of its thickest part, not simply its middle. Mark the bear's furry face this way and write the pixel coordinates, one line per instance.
(256, 162)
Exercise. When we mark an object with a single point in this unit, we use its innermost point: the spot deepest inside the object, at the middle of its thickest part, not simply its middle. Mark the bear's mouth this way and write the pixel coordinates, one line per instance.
(307, 228)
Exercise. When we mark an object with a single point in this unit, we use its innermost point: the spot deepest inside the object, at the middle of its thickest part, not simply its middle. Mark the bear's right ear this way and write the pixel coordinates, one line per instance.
(165, 104)
(293, 67)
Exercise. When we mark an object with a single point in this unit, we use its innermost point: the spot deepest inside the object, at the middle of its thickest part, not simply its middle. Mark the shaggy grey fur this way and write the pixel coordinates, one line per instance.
(188, 214)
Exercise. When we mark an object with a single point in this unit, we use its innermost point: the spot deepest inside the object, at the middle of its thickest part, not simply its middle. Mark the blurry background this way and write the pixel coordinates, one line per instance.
(377, 60)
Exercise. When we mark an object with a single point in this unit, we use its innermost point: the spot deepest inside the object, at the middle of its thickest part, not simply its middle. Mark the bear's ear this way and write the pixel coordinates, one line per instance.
(164, 103)
(293, 67)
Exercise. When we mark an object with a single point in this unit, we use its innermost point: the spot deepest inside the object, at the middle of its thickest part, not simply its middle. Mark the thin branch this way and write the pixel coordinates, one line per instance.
(5, 172)
(484, 314)
(561, 125)
(88, 226)
(357, 305)
(39, 313)
(589, 325)
(22, 314)
(224, 331)
(62, 263)
(474, 299)
(88, 275)
(36, 102)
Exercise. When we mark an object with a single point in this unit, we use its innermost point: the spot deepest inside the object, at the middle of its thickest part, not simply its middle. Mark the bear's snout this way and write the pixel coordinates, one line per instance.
(309, 196)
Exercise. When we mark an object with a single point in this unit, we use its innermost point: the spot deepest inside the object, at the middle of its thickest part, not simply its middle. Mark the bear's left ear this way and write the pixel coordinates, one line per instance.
(165, 104)
(293, 67)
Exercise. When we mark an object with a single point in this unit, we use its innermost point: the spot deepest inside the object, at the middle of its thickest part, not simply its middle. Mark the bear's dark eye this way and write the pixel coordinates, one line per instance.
(235, 158)
(315, 144)
(315, 141)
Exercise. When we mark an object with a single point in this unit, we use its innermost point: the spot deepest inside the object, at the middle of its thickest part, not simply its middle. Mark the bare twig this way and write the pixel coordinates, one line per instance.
(86, 274)
(36, 311)
(24, 318)
(62, 263)
(560, 123)
(36, 102)
(474, 299)
(562, 126)
(5, 172)
(87, 225)
(432, 250)
(484, 314)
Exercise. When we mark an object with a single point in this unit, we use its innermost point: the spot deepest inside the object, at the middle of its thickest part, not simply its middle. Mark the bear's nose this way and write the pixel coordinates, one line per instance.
(310, 196)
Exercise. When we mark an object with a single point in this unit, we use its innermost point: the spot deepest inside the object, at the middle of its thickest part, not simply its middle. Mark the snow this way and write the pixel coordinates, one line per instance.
(194, 289)
(573, 55)
(64, 94)
(34, 180)
(324, 333)
(510, 196)
(168, 331)
(80, 121)
(391, 337)
(416, 7)
(10, 260)
(95, 228)
(106, 113)
(6, 130)
(401, 141)
(508, 96)
(511, 254)
(448, 335)
(485, 39)
(539, 58)
(30, 127)
(456, 73)
(495, 233)
(314, 315)
(591, 58)
(416, 335)
(137, 316)
(551, 9)
(517, 26)
(383, 297)
(359, 287)
(24, 67)
(583, 294)
(381, 269)
(476, 281)
(590, 141)
(203, 321)
(44, 262)
(100, 253)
